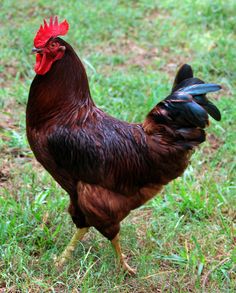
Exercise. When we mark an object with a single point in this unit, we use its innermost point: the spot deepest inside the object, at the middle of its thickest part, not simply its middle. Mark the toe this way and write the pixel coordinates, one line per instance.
(128, 269)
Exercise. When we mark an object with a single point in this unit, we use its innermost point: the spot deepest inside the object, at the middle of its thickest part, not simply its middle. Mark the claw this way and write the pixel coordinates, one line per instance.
(121, 257)
(128, 269)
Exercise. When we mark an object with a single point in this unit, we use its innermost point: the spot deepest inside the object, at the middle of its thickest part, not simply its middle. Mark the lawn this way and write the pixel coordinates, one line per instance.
(184, 239)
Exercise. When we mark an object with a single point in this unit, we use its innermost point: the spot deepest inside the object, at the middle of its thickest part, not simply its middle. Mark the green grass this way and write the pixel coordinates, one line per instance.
(184, 239)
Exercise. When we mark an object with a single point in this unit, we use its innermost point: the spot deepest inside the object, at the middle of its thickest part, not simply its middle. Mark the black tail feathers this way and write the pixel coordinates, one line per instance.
(187, 105)
(185, 111)
(184, 73)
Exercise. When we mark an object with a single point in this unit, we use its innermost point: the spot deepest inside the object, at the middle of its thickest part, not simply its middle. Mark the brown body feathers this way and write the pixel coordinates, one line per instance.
(107, 166)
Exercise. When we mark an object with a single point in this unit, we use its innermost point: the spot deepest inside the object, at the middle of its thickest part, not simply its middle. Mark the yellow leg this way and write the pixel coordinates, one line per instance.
(66, 254)
(116, 244)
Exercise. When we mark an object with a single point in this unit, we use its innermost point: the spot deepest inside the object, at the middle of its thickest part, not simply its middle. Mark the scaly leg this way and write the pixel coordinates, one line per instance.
(66, 254)
(116, 244)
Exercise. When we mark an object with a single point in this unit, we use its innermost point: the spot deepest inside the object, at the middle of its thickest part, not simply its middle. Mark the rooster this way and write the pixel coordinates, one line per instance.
(107, 166)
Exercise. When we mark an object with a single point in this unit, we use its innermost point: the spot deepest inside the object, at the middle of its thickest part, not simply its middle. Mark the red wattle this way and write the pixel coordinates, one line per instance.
(45, 61)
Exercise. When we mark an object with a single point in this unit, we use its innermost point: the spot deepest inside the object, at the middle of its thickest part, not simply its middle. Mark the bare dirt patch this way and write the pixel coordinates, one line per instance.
(4, 176)
(140, 56)
(6, 120)
(215, 142)
(135, 54)
(10, 70)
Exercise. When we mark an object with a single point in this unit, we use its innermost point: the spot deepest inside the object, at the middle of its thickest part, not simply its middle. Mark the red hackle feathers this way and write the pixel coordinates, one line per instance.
(51, 30)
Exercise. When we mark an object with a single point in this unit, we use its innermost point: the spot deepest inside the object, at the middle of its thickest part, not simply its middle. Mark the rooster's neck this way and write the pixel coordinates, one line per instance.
(61, 94)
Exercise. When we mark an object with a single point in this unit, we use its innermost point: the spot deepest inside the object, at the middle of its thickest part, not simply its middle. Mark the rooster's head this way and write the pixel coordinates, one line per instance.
(46, 45)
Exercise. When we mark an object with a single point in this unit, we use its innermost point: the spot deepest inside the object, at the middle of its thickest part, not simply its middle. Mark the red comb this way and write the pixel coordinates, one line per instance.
(53, 29)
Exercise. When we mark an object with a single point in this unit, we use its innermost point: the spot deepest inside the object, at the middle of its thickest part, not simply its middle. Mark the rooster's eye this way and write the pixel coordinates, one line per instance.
(52, 45)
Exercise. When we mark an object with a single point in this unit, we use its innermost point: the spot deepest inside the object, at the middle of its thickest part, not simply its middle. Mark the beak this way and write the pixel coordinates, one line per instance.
(36, 50)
